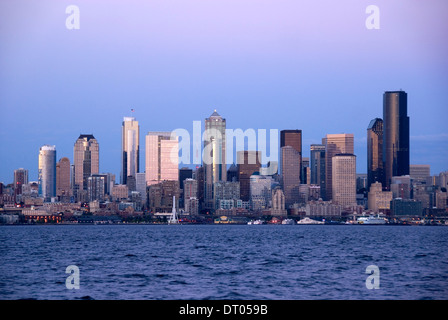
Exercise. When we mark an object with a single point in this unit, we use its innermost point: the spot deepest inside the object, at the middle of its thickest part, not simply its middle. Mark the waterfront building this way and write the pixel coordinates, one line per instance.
(405, 207)
(160, 196)
(379, 200)
(323, 209)
(278, 202)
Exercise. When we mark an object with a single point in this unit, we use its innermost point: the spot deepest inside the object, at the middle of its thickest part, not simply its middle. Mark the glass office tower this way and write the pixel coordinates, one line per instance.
(47, 172)
(375, 171)
(395, 135)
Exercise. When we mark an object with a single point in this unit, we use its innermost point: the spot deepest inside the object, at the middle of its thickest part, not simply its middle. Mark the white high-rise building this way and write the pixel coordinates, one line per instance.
(344, 179)
(130, 159)
(214, 157)
(47, 172)
(162, 157)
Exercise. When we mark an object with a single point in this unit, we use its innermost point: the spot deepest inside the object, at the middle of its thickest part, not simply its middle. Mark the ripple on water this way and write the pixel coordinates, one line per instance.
(225, 262)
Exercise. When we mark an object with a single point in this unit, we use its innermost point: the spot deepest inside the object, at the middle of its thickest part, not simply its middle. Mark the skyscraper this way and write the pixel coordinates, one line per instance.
(344, 179)
(375, 171)
(47, 172)
(86, 159)
(396, 135)
(291, 161)
(96, 185)
(419, 172)
(184, 173)
(63, 188)
(260, 191)
(20, 179)
(162, 157)
(248, 163)
(214, 156)
(334, 144)
(130, 146)
(292, 138)
(317, 165)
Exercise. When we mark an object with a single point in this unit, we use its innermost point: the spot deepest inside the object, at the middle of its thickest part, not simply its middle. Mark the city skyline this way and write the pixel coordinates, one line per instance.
(203, 144)
(271, 61)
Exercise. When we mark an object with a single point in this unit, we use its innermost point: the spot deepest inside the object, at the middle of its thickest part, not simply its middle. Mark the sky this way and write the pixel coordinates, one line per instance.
(262, 64)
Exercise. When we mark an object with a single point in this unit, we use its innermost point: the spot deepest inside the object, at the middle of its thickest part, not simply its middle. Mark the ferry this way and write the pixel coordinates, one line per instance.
(371, 220)
(307, 220)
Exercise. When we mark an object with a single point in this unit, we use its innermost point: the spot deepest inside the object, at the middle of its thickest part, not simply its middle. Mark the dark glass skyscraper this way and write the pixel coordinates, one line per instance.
(291, 138)
(248, 163)
(395, 135)
(375, 171)
(317, 165)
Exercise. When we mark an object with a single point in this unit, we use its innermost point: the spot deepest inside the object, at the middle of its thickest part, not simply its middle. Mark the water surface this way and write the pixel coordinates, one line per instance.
(223, 262)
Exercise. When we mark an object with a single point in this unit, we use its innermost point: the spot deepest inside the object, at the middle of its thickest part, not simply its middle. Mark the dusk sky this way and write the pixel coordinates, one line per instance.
(268, 64)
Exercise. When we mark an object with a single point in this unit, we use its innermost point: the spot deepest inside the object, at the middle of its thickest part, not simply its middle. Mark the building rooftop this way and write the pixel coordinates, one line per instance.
(373, 122)
(86, 136)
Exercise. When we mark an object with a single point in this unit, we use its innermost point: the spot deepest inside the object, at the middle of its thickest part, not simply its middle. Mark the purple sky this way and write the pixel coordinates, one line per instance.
(310, 65)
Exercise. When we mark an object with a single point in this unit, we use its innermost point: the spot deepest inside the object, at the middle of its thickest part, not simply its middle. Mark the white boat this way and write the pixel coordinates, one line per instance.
(307, 220)
(288, 221)
(371, 220)
(173, 218)
(256, 222)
